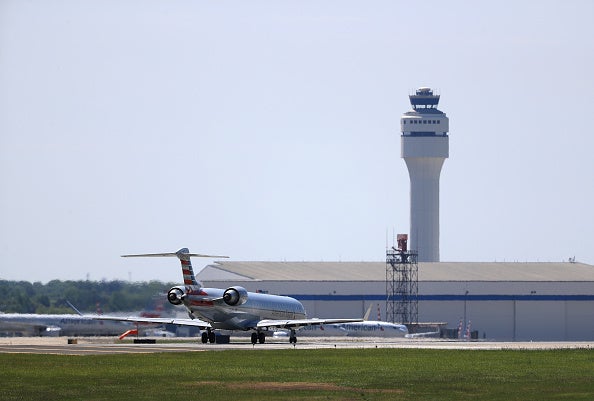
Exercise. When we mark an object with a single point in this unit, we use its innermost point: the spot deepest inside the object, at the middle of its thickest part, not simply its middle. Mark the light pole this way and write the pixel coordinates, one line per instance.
(465, 298)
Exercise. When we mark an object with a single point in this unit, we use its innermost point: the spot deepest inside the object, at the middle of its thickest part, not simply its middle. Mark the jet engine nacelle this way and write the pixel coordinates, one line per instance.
(175, 296)
(234, 296)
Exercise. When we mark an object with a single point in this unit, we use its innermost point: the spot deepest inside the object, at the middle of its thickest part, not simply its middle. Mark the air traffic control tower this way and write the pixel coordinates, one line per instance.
(425, 146)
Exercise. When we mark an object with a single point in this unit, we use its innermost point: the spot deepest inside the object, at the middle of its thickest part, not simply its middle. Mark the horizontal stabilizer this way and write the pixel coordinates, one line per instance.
(181, 253)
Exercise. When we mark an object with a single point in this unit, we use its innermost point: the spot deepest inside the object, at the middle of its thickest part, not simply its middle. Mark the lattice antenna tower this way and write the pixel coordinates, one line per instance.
(402, 283)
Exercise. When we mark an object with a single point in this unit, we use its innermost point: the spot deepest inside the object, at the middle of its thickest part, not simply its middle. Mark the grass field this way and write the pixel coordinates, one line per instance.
(344, 374)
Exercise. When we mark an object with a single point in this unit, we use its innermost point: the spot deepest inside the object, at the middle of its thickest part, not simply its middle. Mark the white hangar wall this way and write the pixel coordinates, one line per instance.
(513, 310)
(499, 310)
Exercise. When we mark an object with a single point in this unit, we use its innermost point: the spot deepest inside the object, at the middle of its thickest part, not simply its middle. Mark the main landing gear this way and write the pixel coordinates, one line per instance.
(258, 337)
(208, 336)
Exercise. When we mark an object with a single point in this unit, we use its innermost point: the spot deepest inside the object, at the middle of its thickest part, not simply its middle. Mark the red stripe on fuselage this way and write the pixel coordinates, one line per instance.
(199, 291)
(201, 302)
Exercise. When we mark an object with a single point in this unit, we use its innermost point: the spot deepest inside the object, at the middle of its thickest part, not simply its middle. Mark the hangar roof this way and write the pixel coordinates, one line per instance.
(376, 271)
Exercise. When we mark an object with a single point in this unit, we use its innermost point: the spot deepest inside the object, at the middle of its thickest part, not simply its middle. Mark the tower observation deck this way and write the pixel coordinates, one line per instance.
(424, 148)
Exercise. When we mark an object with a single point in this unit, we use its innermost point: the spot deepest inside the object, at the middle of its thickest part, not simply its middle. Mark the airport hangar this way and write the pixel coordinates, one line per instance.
(503, 301)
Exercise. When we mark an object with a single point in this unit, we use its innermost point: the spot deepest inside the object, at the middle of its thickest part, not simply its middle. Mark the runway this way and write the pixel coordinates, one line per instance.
(98, 346)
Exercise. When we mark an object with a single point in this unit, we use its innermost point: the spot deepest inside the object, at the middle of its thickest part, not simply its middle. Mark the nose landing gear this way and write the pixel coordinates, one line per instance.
(293, 337)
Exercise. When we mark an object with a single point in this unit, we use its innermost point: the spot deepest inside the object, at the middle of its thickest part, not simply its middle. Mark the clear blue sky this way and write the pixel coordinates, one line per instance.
(269, 130)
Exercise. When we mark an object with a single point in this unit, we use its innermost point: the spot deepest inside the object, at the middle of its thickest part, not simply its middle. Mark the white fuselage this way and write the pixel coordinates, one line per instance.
(373, 329)
(322, 330)
(59, 325)
(257, 307)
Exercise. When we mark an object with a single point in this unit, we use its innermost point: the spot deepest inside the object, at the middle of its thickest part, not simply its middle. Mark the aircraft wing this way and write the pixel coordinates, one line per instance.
(281, 324)
(158, 320)
(297, 323)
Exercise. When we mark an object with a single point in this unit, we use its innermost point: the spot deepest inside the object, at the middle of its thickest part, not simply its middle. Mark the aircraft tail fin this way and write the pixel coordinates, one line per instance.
(74, 307)
(184, 256)
(368, 312)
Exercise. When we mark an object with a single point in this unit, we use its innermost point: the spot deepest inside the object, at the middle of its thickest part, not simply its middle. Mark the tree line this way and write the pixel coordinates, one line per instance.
(86, 296)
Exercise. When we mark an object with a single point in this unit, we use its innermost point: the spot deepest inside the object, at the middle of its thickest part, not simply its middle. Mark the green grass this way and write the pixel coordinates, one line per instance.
(353, 374)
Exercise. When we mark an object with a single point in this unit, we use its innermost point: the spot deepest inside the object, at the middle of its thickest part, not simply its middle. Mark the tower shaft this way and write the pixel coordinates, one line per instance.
(424, 206)
(424, 146)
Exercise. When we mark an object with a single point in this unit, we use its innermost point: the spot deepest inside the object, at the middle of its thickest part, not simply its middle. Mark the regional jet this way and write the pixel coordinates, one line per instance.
(233, 308)
(322, 330)
(364, 328)
(368, 328)
(58, 325)
(54, 325)
(373, 328)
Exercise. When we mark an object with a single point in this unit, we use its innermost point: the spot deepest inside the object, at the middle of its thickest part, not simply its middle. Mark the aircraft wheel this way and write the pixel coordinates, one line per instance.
(293, 340)
(261, 338)
(254, 338)
(204, 338)
(212, 337)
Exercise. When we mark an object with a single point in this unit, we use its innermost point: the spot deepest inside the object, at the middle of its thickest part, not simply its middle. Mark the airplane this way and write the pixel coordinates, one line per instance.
(233, 308)
(364, 328)
(55, 325)
(321, 330)
(373, 328)
(58, 325)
